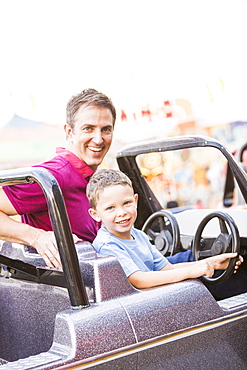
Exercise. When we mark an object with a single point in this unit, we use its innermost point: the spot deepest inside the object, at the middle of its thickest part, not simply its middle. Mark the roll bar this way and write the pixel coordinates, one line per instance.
(60, 225)
(181, 142)
(148, 203)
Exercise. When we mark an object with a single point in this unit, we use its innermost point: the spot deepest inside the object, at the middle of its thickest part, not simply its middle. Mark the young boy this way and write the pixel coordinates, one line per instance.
(112, 201)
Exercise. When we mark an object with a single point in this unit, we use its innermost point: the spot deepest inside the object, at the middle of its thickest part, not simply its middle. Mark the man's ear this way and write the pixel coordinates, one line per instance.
(68, 130)
(94, 214)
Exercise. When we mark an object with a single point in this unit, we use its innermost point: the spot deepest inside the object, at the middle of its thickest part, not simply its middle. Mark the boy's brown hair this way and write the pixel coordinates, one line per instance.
(103, 178)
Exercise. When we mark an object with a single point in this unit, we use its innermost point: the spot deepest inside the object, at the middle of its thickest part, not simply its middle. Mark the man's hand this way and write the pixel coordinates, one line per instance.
(46, 246)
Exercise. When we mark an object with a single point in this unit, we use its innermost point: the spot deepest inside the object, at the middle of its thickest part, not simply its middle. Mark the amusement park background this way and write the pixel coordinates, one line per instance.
(171, 68)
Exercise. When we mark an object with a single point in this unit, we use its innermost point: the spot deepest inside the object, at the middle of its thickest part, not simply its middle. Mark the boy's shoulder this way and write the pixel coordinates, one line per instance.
(103, 233)
(106, 240)
(103, 237)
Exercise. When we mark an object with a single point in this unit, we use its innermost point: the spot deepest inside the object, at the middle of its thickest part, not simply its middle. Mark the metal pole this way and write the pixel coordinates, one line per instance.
(60, 224)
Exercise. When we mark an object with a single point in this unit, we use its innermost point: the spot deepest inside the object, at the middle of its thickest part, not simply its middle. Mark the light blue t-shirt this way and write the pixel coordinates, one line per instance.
(133, 255)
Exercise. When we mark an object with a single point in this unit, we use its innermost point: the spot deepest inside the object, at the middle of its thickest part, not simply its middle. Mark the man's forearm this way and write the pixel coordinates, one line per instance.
(17, 232)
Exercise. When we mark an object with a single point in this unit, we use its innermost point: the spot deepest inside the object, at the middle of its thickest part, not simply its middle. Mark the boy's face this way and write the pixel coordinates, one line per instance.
(91, 137)
(117, 209)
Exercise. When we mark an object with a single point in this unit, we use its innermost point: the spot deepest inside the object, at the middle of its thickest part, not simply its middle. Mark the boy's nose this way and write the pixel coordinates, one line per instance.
(121, 211)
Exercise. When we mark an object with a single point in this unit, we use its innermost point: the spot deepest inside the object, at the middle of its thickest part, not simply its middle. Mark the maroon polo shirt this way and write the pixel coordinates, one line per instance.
(72, 175)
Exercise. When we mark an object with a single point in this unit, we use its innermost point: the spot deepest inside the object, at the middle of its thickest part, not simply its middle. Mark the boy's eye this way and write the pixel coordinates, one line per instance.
(110, 208)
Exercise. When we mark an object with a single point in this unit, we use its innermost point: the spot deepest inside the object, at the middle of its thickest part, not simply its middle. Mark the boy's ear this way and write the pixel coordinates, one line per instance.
(136, 197)
(94, 214)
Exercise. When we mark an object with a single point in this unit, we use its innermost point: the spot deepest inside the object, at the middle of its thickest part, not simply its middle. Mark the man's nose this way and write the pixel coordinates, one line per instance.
(97, 137)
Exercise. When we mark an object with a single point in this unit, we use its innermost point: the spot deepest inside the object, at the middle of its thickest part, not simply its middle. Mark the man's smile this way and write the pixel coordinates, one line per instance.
(95, 149)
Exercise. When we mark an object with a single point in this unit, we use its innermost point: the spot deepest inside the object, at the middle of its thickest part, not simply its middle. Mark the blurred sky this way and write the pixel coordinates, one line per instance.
(136, 51)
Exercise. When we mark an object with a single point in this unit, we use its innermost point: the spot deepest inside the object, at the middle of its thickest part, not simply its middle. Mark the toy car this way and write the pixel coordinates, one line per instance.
(89, 315)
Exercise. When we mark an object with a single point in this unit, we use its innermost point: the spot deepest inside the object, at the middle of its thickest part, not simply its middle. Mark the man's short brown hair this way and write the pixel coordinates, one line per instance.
(88, 97)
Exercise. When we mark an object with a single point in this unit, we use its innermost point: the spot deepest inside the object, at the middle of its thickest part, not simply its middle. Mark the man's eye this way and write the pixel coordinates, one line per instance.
(87, 129)
(107, 129)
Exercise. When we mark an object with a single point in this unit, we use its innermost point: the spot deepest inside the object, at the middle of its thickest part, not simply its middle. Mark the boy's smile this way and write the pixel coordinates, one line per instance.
(117, 209)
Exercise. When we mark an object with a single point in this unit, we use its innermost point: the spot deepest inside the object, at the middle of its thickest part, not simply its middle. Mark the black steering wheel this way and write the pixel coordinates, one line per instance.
(226, 242)
(167, 239)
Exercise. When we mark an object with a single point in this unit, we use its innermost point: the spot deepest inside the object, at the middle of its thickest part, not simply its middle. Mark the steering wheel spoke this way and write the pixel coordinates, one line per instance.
(162, 223)
(204, 254)
(152, 235)
(223, 227)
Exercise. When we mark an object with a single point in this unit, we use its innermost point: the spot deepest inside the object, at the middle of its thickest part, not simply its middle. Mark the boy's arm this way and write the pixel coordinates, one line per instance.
(178, 272)
(169, 274)
(219, 262)
(16, 232)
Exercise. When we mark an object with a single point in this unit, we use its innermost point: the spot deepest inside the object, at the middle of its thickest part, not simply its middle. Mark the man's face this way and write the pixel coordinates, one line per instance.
(91, 136)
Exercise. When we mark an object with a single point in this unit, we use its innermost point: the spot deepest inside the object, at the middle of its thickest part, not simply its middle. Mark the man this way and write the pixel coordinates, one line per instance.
(90, 121)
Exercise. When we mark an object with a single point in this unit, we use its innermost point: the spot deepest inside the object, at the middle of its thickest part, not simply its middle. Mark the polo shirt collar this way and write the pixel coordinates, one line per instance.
(81, 166)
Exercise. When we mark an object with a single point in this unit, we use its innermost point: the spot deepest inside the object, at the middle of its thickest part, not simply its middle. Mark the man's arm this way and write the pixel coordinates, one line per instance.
(16, 232)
